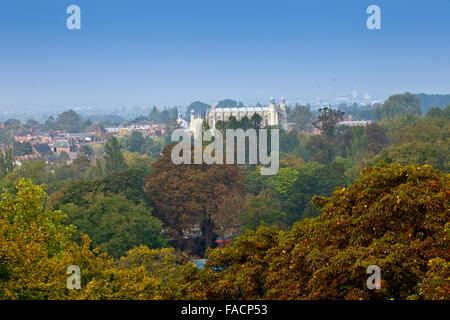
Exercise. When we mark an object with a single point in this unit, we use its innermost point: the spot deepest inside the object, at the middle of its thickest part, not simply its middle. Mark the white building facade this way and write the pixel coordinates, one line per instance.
(272, 115)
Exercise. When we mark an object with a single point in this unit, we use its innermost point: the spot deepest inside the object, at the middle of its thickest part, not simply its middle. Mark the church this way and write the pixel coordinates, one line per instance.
(272, 115)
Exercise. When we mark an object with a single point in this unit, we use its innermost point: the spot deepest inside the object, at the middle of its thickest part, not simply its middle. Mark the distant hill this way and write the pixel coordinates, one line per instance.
(428, 101)
(106, 117)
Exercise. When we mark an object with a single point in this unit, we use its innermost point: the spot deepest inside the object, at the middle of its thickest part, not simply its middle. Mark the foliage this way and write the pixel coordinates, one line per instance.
(394, 217)
(22, 148)
(263, 209)
(327, 120)
(114, 223)
(302, 117)
(7, 162)
(425, 142)
(69, 121)
(398, 104)
(114, 160)
(134, 142)
(376, 138)
(188, 198)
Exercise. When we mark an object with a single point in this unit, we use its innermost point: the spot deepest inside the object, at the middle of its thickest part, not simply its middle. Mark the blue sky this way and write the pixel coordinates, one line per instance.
(140, 53)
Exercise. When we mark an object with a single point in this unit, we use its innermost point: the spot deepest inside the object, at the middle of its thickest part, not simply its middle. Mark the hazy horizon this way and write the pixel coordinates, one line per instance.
(142, 53)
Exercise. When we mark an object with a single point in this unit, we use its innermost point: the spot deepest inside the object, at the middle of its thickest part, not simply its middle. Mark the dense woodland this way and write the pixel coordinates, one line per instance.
(133, 221)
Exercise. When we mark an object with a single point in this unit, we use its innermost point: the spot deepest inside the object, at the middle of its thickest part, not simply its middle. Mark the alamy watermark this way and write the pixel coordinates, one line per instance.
(374, 20)
(74, 20)
(214, 152)
(74, 280)
(374, 281)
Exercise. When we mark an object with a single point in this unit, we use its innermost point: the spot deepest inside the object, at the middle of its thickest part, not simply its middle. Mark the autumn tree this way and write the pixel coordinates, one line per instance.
(35, 251)
(396, 217)
(189, 199)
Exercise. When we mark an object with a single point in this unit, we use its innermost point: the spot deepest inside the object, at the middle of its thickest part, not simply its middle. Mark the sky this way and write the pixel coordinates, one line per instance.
(173, 52)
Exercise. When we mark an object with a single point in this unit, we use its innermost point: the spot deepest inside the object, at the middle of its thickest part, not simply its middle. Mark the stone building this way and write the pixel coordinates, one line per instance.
(272, 115)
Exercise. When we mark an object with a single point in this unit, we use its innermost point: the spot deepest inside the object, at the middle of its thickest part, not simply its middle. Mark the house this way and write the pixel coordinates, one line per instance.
(62, 145)
(42, 149)
(96, 129)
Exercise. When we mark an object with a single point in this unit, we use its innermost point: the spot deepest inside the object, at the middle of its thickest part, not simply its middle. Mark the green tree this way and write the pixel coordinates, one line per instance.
(376, 138)
(69, 121)
(398, 104)
(7, 162)
(134, 142)
(155, 115)
(115, 224)
(22, 148)
(435, 112)
(87, 150)
(263, 209)
(63, 157)
(114, 160)
(327, 120)
(302, 117)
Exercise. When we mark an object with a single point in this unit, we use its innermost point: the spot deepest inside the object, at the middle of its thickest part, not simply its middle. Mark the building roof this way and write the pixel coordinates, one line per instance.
(241, 109)
(96, 127)
(61, 144)
(42, 148)
(353, 123)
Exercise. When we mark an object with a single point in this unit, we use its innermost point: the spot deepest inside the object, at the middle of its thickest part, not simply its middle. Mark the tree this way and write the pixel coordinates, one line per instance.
(69, 121)
(327, 120)
(198, 107)
(154, 115)
(22, 148)
(424, 142)
(320, 149)
(115, 224)
(256, 120)
(319, 180)
(36, 170)
(263, 209)
(87, 150)
(435, 112)
(189, 198)
(114, 160)
(12, 122)
(63, 157)
(376, 138)
(31, 124)
(396, 217)
(134, 142)
(7, 162)
(50, 124)
(165, 116)
(397, 104)
(302, 117)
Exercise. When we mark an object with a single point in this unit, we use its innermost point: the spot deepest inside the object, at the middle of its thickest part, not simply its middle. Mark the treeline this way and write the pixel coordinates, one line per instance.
(343, 200)
(393, 216)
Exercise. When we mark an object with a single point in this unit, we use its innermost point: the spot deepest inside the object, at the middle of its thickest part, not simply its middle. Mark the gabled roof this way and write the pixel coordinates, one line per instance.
(96, 127)
(42, 148)
(61, 144)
